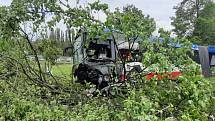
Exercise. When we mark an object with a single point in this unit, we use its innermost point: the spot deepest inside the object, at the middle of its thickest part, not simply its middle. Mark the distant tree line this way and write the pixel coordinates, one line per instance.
(60, 39)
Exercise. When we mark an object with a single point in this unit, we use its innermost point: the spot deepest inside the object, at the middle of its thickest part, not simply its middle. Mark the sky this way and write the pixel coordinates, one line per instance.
(160, 10)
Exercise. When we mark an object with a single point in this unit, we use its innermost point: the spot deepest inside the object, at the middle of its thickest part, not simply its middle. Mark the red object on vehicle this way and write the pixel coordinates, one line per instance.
(149, 76)
(171, 75)
(174, 75)
(123, 76)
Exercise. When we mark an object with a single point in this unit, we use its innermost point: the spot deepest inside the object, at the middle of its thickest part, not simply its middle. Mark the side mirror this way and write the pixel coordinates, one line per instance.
(68, 51)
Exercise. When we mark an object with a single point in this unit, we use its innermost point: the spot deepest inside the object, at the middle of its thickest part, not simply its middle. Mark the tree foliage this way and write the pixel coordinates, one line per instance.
(186, 15)
(131, 22)
(205, 25)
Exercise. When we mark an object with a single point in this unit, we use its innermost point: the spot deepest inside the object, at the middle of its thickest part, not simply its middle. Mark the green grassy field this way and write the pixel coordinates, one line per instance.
(59, 69)
(62, 69)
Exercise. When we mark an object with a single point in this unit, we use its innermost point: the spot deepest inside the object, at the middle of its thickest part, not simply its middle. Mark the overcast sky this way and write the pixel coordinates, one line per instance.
(160, 10)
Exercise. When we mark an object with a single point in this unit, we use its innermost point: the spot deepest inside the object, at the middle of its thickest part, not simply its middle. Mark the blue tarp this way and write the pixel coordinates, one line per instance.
(195, 47)
(211, 49)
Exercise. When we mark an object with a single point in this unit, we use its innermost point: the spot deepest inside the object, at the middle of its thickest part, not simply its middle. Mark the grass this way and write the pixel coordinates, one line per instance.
(62, 69)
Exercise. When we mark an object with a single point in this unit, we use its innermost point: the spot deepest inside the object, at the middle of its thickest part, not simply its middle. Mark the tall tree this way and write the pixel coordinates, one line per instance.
(187, 13)
(57, 34)
(205, 25)
(131, 22)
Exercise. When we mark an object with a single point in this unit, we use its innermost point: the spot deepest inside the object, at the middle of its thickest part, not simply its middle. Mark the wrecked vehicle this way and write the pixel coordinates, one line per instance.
(102, 62)
(110, 61)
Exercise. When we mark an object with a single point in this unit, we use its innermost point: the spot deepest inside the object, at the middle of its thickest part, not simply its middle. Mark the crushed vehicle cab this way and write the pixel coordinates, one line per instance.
(100, 62)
